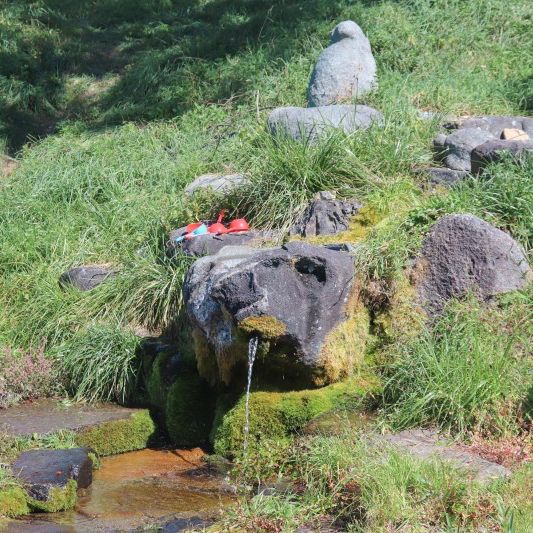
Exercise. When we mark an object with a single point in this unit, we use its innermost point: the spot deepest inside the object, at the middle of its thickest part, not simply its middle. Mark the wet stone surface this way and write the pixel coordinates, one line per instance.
(49, 416)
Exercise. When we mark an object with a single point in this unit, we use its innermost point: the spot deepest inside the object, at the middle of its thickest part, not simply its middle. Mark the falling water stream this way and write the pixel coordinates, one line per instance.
(252, 351)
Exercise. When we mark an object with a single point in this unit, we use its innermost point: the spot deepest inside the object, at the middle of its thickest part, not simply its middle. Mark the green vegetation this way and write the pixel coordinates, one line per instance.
(59, 499)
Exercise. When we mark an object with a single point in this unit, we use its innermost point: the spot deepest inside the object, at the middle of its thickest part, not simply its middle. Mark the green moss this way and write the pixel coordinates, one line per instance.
(119, 436)
(189, 411)
(13, 502)
(59, 499)
(95, 460)
(269, 327)
(275, 415)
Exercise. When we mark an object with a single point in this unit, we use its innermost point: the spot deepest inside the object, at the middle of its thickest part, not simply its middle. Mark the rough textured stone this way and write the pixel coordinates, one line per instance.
(492, 151)
(514, 134)
(494, 124)
(86, 277)
(464, 253)
(425, 444)
(220, 183)
(304, 124)
(210, 244)
(445, 176)
(325, 217)
(42, 470)
(345, 69)
(457, 147)
(245, 290)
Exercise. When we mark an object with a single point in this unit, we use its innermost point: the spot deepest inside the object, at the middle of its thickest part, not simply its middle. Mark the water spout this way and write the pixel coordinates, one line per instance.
(252, 350)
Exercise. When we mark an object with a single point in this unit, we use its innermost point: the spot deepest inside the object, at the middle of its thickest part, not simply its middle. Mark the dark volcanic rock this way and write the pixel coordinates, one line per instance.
(445, 176)
(87, 277)
(42, 470)
(292, 296)
(345, 69)
(309, 124)
(210, 244)
(464, 253)
(325, 217)
(492, 152)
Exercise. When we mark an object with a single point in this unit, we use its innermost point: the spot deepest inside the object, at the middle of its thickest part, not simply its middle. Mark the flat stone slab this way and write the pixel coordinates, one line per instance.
(49, 416)
(424, 444)
(42, 470)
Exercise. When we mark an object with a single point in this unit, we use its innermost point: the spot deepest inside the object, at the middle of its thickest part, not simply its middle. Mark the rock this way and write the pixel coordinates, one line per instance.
(309, 124)
(492, 151)
(86, 277)
(210, 244)
(463, 253)
(7, 165)
(445, 176)
(425, 444)
(514, 134)
(455, 149)
(44, 470)
(494, 124)
(325, 217)
(345, 69)
(241, 292)
(219, 183)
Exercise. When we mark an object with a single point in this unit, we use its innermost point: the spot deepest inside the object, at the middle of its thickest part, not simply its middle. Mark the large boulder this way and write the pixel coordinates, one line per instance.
(493, 151)
(325, 216)
(345, 69)
(292, 298)
(463, 253)
(310, 124)
(86, 277)
(218, 183)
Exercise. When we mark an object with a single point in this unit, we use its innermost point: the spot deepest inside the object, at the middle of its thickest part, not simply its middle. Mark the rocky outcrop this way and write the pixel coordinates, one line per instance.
(325, 216)
(219, 183)
(86, 277)
(494, 124)
(310, 124)
(463, 253)
(292, 298)
(345, 69)
(493, 151)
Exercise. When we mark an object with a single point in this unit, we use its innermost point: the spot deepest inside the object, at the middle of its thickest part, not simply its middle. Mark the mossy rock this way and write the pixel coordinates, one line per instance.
(189, 411)
(268, 327)
(119, 436)
(276, 415)
(59, 499)
(13, 502)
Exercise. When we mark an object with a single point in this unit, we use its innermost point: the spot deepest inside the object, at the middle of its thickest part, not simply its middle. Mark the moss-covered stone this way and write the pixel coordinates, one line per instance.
(119, 436)
(189, 410)
(268, 327)
(275, 415)
(13, 502)
(59, 499)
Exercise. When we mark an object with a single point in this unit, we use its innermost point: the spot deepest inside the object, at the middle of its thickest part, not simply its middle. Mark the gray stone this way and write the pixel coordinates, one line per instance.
(42, 470)
(426, 444)
(463, 253)
(445, 176)
(210, 244)
(219, 183)
(494, 124)
(345, 69)
(86, 277)
(492, 152)
(457, 146)
(309, 124)
(240, 283)
(325, 217)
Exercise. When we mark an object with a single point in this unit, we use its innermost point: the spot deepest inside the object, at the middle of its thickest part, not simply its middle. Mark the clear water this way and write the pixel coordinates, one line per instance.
(252, 351)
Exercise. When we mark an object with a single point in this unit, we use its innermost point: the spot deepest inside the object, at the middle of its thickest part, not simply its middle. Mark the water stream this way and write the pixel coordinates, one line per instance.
(252, 351)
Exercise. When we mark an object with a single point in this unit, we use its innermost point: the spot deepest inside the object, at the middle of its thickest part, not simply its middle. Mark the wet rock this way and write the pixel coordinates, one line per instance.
(345, 69)
(86, 277)
(41, 471)
(455, 149)
(309, 124)
(219, 183)
(241, 292)
(425, 444)
(325, 216)
(445, 176)
(210, 244)
(492, 152)
(494, 124)
(463, 253)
